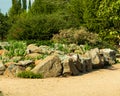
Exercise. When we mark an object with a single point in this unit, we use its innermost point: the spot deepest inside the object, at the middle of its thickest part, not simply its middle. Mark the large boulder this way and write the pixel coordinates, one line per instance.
(49, 67)
(13, 70)
(24, 63)
(69, 67)
(86, 64)
(109, 56)
(96, 58)
(66, 67)
(75, 64)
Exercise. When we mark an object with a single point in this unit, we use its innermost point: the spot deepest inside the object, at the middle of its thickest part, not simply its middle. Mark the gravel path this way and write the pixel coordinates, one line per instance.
(103, 82)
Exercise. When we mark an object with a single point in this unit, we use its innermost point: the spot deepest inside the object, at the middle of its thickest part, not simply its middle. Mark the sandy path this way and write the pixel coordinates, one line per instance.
(104, 82)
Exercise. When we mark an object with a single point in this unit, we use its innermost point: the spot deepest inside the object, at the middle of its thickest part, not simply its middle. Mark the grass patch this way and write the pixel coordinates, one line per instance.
(29, 74)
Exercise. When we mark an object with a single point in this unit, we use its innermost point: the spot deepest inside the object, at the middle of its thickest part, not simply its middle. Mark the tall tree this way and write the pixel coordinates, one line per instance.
(29, 6)
(109, 15)
(24, 2)
(19, 6)
(13, 2)
(44, 6)
(16, 8)
(3, 26)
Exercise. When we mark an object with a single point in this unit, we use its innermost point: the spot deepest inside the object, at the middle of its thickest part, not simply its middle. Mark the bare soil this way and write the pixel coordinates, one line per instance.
(103, 82)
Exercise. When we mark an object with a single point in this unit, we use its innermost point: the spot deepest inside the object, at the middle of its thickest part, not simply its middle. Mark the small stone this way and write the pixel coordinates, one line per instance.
(33, 55)
(32, 48)
(24, 63)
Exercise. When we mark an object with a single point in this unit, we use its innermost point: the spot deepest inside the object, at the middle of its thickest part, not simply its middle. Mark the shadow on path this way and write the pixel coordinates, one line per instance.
(1, 94)
(111, 68)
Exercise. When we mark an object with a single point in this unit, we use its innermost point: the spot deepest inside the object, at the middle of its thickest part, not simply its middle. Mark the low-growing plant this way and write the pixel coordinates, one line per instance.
(87, 47)
(16, 48)
(42, 56)
(29, 74)
(4, 59)
(61, 47)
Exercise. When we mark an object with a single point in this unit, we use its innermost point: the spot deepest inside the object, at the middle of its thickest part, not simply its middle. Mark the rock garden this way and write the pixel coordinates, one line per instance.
(17, 59)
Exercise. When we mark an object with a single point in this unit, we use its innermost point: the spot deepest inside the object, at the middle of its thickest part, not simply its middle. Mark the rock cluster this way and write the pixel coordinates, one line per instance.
(57, 63)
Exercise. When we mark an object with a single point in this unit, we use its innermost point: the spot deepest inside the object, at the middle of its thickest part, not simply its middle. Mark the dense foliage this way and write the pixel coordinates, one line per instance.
(3, 26)
(44, 18)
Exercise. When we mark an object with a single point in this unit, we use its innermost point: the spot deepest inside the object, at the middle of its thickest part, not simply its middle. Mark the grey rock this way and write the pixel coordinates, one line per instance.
(13, 70)
(86, 64)
(109, 56)
(66, 67)
(49, 67)
(96, 58)
(70, 65)
(45, 49)
(24, 63)
(32, 48)
(73, 68)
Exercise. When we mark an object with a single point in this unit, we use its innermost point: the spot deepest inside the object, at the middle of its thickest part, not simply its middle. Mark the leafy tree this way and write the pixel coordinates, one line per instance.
(16, 8)
(109, 14)
(29, 6)
(3, 26)
(24, 2)
(83, 13)
(47, 6)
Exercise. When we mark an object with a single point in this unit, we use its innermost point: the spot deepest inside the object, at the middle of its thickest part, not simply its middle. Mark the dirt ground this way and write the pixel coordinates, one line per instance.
(103, 82)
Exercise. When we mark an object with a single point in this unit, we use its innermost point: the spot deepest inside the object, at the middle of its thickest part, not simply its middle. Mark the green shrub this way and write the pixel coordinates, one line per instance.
(29, 74)
(38, 27)
(77, 36)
